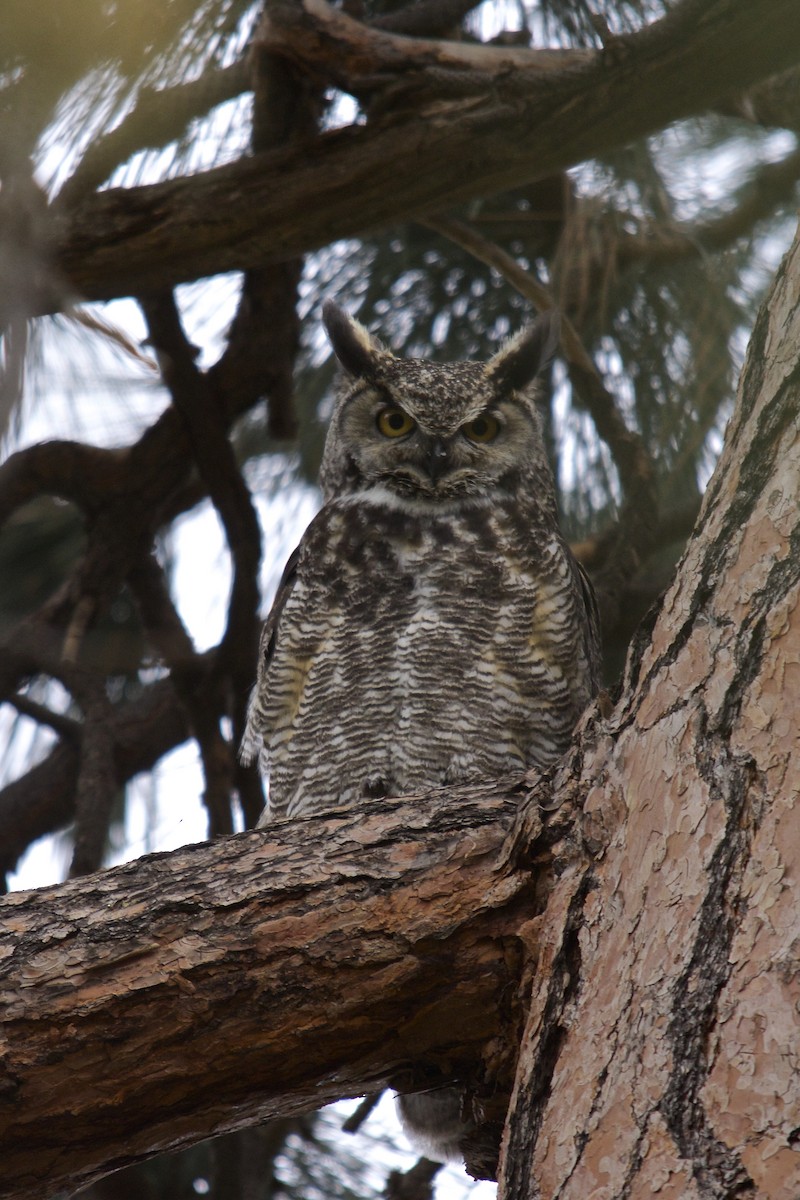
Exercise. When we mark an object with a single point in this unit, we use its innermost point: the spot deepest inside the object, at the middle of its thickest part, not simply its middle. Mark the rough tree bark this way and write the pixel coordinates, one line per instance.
(662, 1049)
(640, 905)
(192, 993)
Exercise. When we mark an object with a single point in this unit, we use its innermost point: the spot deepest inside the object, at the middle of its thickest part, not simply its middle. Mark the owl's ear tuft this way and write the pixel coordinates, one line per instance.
(355, 348)
(528, 353)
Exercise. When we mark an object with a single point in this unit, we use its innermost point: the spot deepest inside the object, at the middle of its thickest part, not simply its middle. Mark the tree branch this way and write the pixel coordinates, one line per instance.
(43, 800)
(527, 125)
(773, 103)
(770, 186)
(314, 926)
(426, 18)
(196, 400)
(197, 690)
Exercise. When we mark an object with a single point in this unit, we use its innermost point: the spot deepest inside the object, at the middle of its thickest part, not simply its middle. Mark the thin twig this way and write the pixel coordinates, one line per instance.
(65, 727)
(357, 1118)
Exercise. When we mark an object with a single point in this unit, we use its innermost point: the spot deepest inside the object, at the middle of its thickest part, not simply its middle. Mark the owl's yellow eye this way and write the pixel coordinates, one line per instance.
(484, 428)
(394, 423)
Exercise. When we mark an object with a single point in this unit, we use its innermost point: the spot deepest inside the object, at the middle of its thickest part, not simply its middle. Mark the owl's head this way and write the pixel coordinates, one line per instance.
(434, 432)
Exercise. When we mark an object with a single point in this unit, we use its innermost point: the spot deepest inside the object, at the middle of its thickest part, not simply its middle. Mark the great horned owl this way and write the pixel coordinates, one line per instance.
(432, 627)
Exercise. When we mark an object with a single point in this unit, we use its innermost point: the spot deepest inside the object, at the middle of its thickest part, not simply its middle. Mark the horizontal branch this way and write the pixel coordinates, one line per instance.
(113, 986)
(360, 58)
(504, 130)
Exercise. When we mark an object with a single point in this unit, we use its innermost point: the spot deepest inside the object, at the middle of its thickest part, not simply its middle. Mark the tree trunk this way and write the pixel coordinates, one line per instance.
(648, 926)
(662, 1048)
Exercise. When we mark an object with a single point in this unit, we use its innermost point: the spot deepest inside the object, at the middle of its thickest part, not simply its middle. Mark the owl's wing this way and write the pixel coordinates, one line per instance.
(253, 733)
(592, 624)
(269, 633)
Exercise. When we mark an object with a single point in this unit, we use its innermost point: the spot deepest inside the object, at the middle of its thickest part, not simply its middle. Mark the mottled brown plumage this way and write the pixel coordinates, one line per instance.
(432, 628)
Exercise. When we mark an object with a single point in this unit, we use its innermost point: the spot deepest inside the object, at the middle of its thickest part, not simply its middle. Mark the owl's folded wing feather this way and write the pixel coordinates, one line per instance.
(592, 626)
(252, 741)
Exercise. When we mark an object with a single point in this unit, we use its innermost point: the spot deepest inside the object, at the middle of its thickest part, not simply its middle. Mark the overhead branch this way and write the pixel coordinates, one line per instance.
(264, 336)
(500, 132)
(364, 59)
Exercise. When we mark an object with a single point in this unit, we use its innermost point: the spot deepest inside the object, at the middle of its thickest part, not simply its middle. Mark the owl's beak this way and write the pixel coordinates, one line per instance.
(438, 459)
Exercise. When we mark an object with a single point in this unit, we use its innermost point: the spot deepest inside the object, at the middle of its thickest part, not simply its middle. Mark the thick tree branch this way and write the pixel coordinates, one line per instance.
(506, 131)
(646, 1022)
(316, 928)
